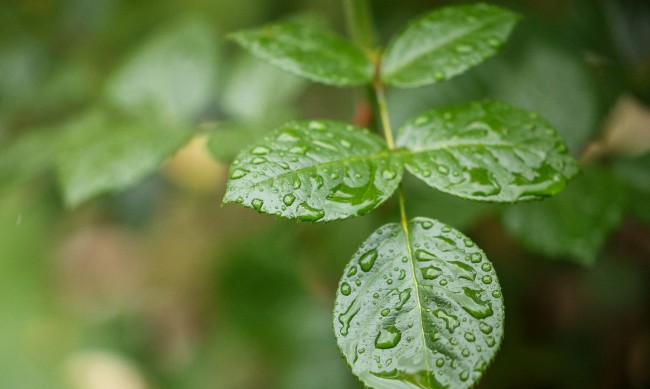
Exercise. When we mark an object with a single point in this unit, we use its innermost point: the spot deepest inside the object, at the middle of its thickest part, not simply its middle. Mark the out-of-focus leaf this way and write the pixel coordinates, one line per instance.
(635, 174)
(254, 89)
(445, 43)
(315, 171)
(419, 306)
(27, 157)
(102, 155)
(171, 76)
(308, 52)
(575, 223)
(486, 151)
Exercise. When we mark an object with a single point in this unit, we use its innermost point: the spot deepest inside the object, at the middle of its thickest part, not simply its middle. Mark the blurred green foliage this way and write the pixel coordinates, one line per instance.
(158, 286)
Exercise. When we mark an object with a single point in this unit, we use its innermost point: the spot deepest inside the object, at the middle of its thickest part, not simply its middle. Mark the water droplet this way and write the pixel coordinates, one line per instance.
(260, 150)
(257, 203)
(345, 143)
(317, 181)
(486, 279)
(388, 338)
(375, 295)
(451, 321)
(367, 259)
(439, 76)
(302, 150)
(465, 352)
(464, 376)
(463, 48)
(490, 341)
(352, 271)
(440, 362)
(496, 294)
(319, 126)
(284, 165)
(389, 281)
(431, 272)
(427, 225)
(424, 256)
(289, 199)
(475, 257)
(389, 174)
(334, 176)
(385, 312)
(346, 317)
(345, 289)
(238, 173)
(402, 274)
(485, 328)
(442, 169)
(297, 183)
(486, 267)
(308, 213)
(443, 282)
(362, 350)
(469, 337)
(358, 282)
(258, 160)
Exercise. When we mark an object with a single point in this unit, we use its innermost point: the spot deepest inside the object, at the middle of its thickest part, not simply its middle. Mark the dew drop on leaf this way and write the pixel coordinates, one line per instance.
(367, 260)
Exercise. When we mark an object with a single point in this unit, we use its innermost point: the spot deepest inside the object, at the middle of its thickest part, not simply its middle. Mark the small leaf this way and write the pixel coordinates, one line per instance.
(445, 43)
(308, 52)
(104, 156)
(575, 223)
(487, 151)
(419, 307)
(315, 171)
(171, 76)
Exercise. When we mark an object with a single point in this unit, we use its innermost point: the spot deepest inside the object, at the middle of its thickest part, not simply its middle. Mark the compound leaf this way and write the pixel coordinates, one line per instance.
(419, 307)
(487, 151)
(308, 52)
(445, 43)
(576, 223)
(315, 171)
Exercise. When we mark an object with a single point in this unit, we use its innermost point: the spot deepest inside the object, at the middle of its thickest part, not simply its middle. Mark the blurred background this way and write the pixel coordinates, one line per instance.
(120, 269)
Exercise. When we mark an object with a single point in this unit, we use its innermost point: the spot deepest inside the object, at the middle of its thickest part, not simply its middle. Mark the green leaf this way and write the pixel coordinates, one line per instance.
(576, 223)
(308, 52)
(102, 155)
(171, 76)
(488, 151)
(419, 307)
(445, 43)
(635, 174)
(27, 156)
(315, 171)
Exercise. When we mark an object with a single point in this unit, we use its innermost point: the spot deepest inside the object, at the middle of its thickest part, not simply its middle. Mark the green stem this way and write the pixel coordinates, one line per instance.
(359, 22)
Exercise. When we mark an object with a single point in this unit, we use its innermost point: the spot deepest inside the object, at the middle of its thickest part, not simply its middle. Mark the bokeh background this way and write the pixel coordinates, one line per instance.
(150, 283)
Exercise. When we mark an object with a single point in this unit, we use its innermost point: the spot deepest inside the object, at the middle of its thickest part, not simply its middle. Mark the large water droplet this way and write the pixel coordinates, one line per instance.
(431, 272)
(257, 203)
(260, 150)
(367, 259)
(308, 213)
(388, 338)
(423, 255)
(289, 199)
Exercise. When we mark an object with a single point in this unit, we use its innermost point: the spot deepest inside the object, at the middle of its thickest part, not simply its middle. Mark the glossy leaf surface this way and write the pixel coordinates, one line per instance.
(308, 52)
(487, 151)
(102, 155)
(419, 307)
(445, 43)
(314, 171)
(575, 223)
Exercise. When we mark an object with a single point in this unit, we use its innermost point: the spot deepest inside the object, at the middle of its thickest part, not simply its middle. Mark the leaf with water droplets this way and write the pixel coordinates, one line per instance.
(445, 43)
(488, 151)
(575, 223)
(308, 52)
(315, 171)
(419, 306)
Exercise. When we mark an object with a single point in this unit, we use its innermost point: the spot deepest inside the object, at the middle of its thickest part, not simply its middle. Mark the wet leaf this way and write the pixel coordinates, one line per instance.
(575, 223)
(103, 155)
(308, 52)
(419, 306)
(487, 151)
(314, 171)
(445, 43)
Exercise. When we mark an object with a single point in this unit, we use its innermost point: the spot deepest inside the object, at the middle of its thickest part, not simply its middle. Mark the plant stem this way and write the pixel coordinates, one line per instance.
(359, 21)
